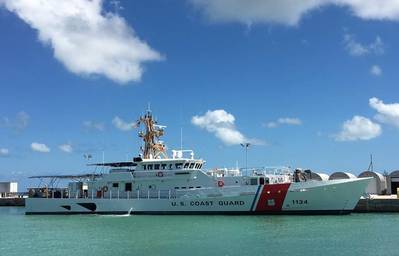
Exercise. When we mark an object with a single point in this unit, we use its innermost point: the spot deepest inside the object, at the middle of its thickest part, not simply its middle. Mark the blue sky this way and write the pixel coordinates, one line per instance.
(313, 86)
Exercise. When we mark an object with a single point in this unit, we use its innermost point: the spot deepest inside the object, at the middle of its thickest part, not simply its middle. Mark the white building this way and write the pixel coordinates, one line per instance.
(342, 175)
(393, 182)
(378, 185)
(315, 175)
(7, 188)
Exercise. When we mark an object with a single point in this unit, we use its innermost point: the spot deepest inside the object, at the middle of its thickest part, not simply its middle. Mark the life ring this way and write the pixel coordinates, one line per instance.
(105, 188)
(160, 174)
(220, 183)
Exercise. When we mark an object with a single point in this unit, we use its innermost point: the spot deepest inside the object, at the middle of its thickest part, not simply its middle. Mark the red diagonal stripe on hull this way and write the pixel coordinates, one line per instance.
(272, 197)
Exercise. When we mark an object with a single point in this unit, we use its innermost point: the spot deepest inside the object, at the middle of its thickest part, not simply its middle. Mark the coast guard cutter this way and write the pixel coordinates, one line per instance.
(155, 183)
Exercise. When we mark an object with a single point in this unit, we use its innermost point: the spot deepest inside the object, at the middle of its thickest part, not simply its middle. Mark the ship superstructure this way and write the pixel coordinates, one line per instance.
(154, 183)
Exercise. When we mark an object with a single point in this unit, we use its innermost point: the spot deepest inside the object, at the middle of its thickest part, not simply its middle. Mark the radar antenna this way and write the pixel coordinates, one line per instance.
(153, 147)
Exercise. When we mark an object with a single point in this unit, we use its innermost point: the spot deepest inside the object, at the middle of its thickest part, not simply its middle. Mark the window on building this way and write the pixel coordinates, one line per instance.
(115, 185)
(128, 187)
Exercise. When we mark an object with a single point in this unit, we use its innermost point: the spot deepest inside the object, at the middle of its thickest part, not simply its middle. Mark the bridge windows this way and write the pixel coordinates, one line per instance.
(128, 186)
(192, 165)
(115, 185)
(179, 165)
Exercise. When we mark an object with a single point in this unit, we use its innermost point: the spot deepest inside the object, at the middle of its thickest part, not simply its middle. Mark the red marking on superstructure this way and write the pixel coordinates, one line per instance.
(272, 197)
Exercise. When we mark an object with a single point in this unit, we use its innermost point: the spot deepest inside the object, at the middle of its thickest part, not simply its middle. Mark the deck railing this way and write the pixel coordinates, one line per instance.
(150, 193)
(136, 194)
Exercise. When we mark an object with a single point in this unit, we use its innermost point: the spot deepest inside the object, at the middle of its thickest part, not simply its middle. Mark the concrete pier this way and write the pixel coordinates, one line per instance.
(378, 204)
(14, 201)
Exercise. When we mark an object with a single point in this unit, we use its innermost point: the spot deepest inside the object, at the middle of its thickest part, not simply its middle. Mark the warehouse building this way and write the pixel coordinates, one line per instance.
(341, 176)
(393, 182)
(315, 175)
(8, 189)
(378, 185)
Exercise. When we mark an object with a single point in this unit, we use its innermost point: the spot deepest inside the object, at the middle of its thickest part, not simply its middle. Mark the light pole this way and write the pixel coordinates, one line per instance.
(246, 146)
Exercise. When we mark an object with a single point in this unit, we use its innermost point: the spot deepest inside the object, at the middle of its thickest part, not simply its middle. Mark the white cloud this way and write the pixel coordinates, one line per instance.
(271, 125)
(19, 123)
(67, 148)
(123, 125)
(356, 48)
(353, 47)
(87, 39)
(40, 147)
(222, 125)
(358, 128)
(377, 47)
(290, 121)
(387, 113)
(289, 12)
(376, 70)
(94, 126)
(284, 121)
(4, 152)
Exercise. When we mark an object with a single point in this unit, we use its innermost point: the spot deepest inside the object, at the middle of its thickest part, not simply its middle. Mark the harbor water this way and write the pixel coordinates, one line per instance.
(355, 234)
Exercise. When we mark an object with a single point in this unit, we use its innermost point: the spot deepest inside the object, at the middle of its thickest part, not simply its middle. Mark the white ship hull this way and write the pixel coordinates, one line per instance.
(312, 197)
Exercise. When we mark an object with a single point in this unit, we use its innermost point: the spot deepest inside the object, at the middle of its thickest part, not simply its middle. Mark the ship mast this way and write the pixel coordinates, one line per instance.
(153, 147)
